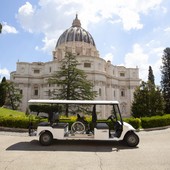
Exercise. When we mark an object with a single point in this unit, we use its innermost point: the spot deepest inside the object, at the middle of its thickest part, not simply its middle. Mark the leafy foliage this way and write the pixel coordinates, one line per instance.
(8, 112)
(9, 95)
(165, 79)
(3, 91)
(72, 82)
(12, 118)
(0, 28)
(13, 96)
(148, 101)
(135, 122)
(148, 98)
(45, 108)
(155, 121)
(151, 77)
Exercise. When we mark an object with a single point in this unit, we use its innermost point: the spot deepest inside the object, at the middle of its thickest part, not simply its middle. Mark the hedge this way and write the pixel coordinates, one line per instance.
(155, 121)
(135, 122)
(18, 122)
(145, 122)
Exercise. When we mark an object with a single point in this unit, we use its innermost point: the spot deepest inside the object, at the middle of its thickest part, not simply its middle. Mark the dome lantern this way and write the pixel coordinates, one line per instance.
(76, 22)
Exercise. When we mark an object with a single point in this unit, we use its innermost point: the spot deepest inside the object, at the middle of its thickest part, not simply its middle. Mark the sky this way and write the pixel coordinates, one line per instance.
(130, 33)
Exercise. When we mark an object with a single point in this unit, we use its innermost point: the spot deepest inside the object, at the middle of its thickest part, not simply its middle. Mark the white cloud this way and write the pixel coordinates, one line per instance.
(153, 43)
(26, 17)
(48, 45)
(7, 29)
(115, 21)
(156, 61)
(53, 16)
(130, 19)
(109, 57)
(167, 29)
(144, 56)
(138, 58)
(4, 73)
(165, 10)
(26, 9)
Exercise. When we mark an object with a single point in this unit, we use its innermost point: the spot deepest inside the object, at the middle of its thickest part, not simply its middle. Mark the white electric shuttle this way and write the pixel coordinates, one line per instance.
(81, 129)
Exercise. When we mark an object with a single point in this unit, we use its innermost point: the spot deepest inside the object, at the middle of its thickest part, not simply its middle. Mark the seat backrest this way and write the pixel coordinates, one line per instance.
(94, 116)
(118, 129)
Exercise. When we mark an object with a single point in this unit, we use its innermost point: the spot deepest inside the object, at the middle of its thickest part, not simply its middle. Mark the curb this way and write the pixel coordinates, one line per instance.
(152, 129)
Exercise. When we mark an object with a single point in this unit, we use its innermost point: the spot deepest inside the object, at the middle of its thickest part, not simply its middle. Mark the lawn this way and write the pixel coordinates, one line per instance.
(8, 112)
(13, 118)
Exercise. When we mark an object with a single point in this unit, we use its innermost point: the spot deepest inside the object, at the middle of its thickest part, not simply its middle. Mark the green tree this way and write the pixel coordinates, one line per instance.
(0, 28)
(72, 82)
(151, 77)
(165, 79)
(140, 103)
(2, 91)
(13, 96)
(148, 100)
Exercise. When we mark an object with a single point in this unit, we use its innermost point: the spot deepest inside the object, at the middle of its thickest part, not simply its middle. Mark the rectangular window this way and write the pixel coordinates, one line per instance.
(87, 65)
(122, 93)
(114, 93)
(122, 74)
(21, 92)
(49, 93)
(100, 92)
(36, 71)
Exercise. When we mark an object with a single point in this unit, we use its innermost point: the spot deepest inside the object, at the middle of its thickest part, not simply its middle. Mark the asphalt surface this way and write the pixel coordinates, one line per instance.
(18, 151)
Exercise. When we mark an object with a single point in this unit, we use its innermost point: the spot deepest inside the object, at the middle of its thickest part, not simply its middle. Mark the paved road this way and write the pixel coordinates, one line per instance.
(20, 152)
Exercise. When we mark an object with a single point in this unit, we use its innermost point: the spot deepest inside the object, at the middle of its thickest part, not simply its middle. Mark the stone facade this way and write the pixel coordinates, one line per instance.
(110, 81)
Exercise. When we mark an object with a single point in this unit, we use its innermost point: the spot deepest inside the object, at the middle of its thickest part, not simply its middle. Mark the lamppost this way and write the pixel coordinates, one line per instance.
(0, 28)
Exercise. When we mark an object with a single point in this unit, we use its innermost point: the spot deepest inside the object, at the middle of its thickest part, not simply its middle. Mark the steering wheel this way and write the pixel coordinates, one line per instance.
(111, 117)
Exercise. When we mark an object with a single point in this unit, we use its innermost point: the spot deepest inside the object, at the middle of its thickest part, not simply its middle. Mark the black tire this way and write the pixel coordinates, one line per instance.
(131, 139)
(46, 138)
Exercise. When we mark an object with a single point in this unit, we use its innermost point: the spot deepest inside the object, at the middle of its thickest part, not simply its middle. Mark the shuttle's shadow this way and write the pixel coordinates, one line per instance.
(71, 145)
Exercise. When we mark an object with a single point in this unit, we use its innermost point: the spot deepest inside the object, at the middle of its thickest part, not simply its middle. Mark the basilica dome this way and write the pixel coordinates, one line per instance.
(75, 34)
